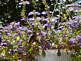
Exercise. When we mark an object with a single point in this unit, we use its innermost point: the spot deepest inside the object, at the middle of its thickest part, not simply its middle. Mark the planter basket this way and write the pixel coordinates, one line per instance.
(51, 55)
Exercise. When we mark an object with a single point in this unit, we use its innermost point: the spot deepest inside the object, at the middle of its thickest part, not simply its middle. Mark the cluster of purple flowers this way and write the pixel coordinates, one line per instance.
(41, 32)
(75, 42)
(16, 39)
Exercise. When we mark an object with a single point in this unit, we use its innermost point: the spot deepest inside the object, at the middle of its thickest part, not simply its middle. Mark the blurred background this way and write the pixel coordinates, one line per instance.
(10, 10)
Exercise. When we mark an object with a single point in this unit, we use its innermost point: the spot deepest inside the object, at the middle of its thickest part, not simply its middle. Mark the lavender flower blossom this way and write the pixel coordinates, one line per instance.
(79, 44)
(31, 19)
(18, 23)
(75, 25)
(11, 51)
(6, 43)
(22, 28)
(33, 13)
(56, 31)
(55, 20)
(38, 18)
(44, 13)
(8, 34)
(20, 33)
(15, 35)
(72, 41)
(47, 26)
(23, 19)
(20, 50)
(20, 42)
(24, 2)
(46, 19)
(43, 33)
(61, 28)
(29, 33)
(79, 37)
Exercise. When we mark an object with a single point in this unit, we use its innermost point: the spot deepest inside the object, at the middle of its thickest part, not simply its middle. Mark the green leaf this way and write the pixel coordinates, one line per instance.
(18, 38)
(23, 43)
(43, 53)
(31, 50)
(15, 56)
(80, 50)
(10, 47)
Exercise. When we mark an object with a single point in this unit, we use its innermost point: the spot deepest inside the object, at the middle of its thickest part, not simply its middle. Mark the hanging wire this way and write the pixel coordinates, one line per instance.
(54, 8)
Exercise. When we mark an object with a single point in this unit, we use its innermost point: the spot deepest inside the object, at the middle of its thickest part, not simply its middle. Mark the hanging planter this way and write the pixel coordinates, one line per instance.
(51, 55)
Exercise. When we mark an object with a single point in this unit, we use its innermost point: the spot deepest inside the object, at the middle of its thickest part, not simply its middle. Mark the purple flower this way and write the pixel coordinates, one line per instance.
(72, 41)
(31, 19)
(10, 26)
(44, 13)
(77, 17)
(79, 37)
(43, 33)
(19, 6)
(29, 33)
(20, 50)
(20, 3)
(73, 18)
(24, 2)
(75, 25)
(47, 25)
(47, 19)
(23, 19)
(79, 44)
(32, 13)
(46, 45)
(18, 23)
(32, 24)
(56, 31)
(14, 29)
(61, 27)
(22, 28)
(37, 13)
(72, 46)
(20, 42)
(27, 2)
(15, 35)
(20, 33)
(38, 18)
(8, 34)
(11, 51)
(69, 22)
(5, 43)
(56, 20)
